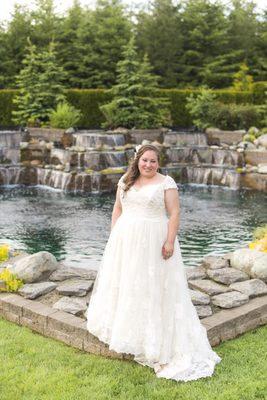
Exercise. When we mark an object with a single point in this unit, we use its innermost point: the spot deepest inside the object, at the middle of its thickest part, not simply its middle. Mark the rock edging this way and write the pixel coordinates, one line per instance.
(72, 330)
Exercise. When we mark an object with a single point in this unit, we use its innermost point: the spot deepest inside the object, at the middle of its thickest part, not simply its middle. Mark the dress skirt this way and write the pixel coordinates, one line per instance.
(141, 303)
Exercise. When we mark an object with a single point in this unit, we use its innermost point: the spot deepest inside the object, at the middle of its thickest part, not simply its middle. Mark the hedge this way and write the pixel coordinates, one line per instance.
(88, 101)
(6, 107)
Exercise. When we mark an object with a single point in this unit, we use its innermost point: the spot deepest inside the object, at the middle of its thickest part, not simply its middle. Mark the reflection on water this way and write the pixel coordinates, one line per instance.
(214, 220)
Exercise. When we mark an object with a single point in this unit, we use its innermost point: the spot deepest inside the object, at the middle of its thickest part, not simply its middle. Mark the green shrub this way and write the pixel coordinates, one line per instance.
(249, 138)
(260, 232)
(259, 92)
(65, 116)
(234, 116)
(200, 108)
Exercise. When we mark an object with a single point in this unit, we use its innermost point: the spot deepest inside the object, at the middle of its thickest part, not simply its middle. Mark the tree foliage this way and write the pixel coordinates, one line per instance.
(135, 102)
(189, 42)
(39, 84)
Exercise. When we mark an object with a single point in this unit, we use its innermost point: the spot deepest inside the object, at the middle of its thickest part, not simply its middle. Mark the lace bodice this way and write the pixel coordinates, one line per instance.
(146, 202)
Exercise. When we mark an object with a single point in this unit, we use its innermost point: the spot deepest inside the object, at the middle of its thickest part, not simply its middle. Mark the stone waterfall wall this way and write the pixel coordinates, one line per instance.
(93, 161)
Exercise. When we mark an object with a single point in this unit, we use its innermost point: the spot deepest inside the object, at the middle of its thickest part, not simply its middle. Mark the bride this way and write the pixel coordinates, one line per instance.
(140, 302)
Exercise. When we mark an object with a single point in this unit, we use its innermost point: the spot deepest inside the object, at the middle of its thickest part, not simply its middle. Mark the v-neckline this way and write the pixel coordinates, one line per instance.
(151, 184)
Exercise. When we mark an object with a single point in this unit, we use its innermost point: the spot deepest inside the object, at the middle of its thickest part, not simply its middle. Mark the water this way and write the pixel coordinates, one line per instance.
(214, 220)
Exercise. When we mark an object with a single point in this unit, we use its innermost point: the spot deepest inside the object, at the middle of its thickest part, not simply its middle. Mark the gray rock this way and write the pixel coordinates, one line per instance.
(208, 286)
(227, 256)
(230, 300)
(261, 141)
(72, 305)
(262, 168)
(33, 290)
(64, 272)
(203, 311)
(253, 262)
(34, 268)
(252, 287)
(199, 298)
(195, 273)
(70, 130)
(214, 262)
(227, 275)
(75, 287)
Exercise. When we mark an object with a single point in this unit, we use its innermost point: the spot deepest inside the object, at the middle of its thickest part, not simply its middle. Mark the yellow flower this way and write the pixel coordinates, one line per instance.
(260, 245)
(11, 281)
(4, 250)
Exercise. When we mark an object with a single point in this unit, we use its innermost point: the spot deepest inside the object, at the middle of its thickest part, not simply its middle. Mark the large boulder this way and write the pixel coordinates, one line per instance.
(34, 268)
(252, 262)
(261, 141)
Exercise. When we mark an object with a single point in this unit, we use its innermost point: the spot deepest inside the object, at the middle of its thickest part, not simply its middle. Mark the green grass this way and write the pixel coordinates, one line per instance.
(33, 367)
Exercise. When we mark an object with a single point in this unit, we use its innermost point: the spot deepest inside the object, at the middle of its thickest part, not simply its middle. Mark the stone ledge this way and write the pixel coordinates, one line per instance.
(224, 325)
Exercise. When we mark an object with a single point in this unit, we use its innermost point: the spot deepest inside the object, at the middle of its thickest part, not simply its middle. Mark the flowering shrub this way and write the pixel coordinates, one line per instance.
(260, 239)
(11, 281)
(4, 250)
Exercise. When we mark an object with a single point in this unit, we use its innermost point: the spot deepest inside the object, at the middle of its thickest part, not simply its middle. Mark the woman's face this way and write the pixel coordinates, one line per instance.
(148, 163)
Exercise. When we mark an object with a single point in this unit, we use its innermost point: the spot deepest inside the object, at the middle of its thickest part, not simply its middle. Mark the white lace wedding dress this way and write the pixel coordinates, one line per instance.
(140, 302)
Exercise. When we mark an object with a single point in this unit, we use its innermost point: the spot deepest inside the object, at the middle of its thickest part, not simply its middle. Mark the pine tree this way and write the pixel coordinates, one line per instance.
(134, 101)
(104, 33)
(27, 101)
(158, 33)
(204, 39)
(39, 84)
(69, 47)
(49, 83)
(219, 72)
(18, 29)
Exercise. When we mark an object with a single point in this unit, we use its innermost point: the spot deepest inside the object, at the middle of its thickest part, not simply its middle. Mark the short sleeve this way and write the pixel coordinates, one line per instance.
(169, 183)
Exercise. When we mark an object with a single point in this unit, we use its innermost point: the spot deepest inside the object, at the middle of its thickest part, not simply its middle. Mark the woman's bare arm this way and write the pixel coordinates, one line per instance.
(173, 209)
(117, 208)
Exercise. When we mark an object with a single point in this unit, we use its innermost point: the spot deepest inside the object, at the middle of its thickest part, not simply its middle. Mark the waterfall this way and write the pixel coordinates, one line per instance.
(93, 140)
(10, 139)
(9, 176)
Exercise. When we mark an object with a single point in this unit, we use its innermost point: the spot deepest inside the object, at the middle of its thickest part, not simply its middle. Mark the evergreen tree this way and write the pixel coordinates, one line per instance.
(39, 86)
(219, 72)
(159, 35)
(69, 46)
(242, 33)
(204, 38)
(103, 36)
(45, 23)
(134, 101)
(3, 58)
(260, 69)
(15, 42)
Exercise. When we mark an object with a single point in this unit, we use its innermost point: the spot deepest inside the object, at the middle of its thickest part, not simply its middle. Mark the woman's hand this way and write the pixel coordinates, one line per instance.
(167, 250)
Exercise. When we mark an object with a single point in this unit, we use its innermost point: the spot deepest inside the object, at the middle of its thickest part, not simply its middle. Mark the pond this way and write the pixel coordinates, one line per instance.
(214, 220)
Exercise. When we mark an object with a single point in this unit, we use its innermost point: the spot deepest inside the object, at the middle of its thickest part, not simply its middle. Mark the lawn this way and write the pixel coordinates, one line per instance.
(33, 367)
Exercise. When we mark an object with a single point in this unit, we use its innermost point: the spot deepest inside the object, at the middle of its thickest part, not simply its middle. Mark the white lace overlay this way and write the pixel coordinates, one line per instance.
(140, 302)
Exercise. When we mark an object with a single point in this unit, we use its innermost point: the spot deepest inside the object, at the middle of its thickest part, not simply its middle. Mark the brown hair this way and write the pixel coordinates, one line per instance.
(133, 172)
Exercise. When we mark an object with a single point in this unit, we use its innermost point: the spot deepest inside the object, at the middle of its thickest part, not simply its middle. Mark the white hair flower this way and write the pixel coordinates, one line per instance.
(137, 148)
